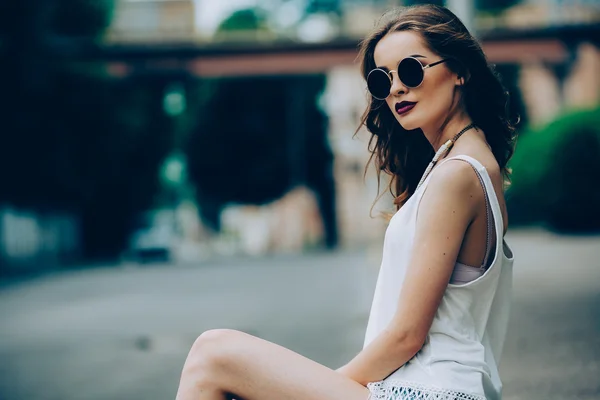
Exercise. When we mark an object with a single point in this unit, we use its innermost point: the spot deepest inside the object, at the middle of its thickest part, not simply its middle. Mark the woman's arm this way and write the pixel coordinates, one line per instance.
(450, 203)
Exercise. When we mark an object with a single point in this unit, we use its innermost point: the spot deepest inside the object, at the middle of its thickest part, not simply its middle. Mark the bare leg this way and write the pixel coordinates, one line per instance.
(225, 364)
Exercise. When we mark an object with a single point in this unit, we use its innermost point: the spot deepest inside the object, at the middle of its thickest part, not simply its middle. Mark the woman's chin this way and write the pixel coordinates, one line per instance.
(406, 122)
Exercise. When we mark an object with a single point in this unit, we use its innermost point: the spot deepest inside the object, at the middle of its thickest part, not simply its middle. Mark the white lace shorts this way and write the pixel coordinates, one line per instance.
(394, 390)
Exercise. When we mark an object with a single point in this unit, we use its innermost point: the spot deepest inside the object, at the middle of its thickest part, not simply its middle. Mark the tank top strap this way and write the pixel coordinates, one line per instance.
(492, 204)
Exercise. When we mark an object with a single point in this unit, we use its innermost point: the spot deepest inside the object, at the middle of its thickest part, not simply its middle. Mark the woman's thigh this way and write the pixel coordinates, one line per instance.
(255, 369)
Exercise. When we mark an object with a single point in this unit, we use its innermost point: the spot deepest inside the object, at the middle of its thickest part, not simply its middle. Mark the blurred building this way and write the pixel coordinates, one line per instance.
(153, 21)
(552, 12)
(548, 88)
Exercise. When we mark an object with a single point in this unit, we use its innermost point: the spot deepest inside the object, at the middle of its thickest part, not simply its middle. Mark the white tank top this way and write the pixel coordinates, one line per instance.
(459, 359)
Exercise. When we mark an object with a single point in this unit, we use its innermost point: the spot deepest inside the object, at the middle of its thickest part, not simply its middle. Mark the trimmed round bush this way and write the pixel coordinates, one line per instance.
(556, 175)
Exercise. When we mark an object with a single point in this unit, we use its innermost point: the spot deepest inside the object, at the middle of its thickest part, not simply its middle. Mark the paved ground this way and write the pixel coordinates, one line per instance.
(123, 333)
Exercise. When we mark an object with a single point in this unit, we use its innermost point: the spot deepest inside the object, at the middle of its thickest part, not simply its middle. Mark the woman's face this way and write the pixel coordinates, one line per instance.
(428, 105)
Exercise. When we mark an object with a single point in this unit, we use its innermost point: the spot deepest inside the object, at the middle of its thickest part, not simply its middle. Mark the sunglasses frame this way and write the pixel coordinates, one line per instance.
(389, 74)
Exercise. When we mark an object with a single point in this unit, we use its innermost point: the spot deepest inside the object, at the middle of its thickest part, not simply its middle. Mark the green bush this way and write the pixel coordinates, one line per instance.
(556, 175)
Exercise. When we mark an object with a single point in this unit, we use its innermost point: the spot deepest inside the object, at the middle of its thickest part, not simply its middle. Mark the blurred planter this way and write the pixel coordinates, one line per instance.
(555, 179)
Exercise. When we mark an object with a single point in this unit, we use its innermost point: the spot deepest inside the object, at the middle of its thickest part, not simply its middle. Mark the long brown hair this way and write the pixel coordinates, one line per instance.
(404, 155)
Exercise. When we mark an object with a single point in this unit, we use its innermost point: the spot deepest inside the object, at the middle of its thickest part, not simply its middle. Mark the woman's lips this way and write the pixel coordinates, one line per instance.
(404, 107)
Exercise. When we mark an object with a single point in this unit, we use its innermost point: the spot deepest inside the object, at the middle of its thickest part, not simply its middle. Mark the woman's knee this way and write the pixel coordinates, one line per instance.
(210, 349)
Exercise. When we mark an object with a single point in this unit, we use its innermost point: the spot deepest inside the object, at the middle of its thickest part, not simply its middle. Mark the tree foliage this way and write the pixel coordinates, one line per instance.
(253, 147)
(40, 19)
(258, 137)
(247, 19)
(74, 138)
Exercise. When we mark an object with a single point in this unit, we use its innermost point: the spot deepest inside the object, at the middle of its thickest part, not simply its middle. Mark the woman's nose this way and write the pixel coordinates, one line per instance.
(397, 85)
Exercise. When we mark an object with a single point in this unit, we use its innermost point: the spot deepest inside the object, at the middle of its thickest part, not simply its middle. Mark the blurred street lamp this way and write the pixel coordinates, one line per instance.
(173, 172)
(174, 101)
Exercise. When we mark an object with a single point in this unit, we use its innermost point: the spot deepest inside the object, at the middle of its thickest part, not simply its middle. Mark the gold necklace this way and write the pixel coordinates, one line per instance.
(443, 151)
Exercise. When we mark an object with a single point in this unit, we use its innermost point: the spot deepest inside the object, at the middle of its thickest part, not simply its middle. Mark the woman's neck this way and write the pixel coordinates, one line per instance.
(440, 135)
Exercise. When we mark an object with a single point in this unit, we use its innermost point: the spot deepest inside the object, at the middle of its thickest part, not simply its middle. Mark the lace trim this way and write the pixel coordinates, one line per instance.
(400, 390)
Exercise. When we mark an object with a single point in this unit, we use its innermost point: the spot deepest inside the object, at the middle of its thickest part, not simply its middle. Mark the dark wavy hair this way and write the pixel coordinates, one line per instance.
(404, 155)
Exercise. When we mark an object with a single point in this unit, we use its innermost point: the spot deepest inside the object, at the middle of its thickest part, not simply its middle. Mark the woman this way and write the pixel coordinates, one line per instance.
(438, 320)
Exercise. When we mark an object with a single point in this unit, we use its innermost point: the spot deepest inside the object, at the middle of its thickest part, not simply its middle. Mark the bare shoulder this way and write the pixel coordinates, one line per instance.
(454, 191)
(456, 178)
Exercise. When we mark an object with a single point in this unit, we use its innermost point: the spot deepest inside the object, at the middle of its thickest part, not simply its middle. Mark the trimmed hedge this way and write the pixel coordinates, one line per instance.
(556, 175)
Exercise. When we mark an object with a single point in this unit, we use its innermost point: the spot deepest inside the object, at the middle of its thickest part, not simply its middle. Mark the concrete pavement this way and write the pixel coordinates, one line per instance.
(123, 333)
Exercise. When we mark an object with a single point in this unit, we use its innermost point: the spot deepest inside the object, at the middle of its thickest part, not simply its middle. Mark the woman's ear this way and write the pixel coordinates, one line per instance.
(462, 78)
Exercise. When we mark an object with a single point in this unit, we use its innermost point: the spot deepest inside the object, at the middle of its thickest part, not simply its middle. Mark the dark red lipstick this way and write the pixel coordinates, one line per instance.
(404, 106)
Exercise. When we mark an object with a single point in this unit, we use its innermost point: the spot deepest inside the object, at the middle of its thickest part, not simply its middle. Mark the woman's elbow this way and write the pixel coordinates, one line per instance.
(409, 340)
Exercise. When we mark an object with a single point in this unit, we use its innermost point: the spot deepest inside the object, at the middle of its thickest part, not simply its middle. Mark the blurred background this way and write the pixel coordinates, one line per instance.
(173, 166)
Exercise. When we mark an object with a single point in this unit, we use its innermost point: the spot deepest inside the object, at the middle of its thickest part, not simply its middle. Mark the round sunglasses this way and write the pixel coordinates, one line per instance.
(411, 73)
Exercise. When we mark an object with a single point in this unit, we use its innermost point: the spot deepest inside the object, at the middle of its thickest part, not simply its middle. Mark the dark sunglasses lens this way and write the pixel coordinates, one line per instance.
(378, 83)
(410, 72)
